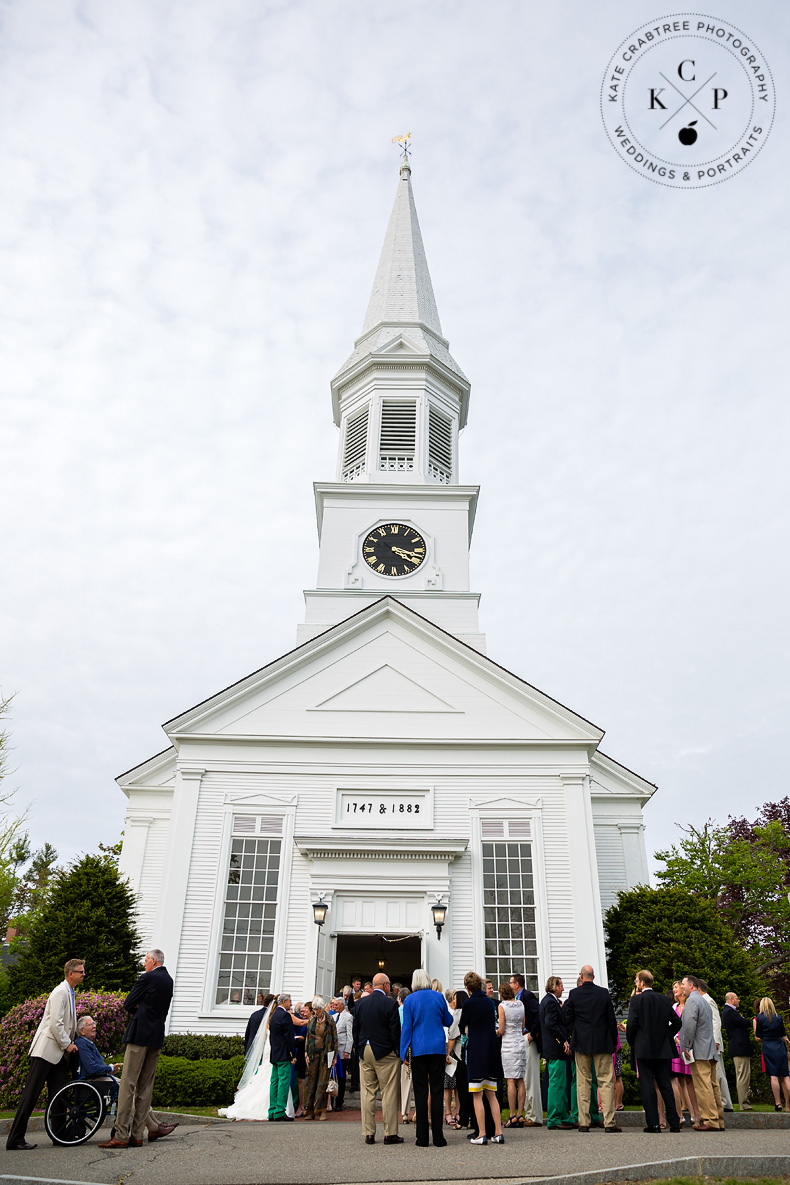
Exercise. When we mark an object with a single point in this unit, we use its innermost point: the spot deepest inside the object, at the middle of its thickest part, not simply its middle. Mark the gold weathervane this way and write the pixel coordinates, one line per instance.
(403, 141)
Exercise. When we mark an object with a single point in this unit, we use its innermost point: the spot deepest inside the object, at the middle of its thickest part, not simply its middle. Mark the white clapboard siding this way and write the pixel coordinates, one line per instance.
(612, 877)
(562, 951)
(150, 889)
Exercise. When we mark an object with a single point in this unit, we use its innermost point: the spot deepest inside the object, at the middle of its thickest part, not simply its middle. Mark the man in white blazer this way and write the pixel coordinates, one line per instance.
(53, 1041)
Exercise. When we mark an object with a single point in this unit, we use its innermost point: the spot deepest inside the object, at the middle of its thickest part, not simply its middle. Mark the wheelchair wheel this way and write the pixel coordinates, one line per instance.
(75, 1113)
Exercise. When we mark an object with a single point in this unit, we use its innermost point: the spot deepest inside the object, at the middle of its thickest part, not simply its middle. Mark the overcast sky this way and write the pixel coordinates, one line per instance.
(194, 197)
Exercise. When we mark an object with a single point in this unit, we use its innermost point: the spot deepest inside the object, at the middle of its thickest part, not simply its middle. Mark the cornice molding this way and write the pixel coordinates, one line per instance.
(363, 848)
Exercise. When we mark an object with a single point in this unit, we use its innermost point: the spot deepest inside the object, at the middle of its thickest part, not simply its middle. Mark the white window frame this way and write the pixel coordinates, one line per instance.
(505, 809)
(210, 1010)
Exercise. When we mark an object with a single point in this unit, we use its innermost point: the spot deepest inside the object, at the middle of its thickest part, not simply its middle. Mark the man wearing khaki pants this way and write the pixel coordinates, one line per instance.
(739, 1041)
(589, 1015)
(149, 1003)
(696, 1036)
(377, 1037)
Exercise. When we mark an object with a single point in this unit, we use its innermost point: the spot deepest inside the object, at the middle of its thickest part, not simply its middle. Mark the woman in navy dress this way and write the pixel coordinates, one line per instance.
(483, 1058)
(769, 1030)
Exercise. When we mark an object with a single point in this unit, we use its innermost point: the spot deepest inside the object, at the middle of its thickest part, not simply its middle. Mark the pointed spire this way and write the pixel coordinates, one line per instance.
(402, 290)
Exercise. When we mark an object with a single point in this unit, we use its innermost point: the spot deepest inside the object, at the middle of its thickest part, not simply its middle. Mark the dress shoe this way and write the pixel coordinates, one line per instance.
(533, 1123)
(135, 1143)
(655, 1131)
(676, 1130)
(370, 1139)
(113, 1143)
(563, 1127)
(393, 1140)
(613, 1128)
(440, 1143)
(583, 1128)
(421, 1144)
(703, 1127)
(22, 1146)
(164, 1129)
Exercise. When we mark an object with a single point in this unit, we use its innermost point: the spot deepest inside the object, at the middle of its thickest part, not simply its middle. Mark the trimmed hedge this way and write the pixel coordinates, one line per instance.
(195, 1046)
(210, 1082)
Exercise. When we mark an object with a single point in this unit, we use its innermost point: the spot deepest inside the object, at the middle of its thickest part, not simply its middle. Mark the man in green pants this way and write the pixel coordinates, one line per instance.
(556, 1051)
(282, 1054)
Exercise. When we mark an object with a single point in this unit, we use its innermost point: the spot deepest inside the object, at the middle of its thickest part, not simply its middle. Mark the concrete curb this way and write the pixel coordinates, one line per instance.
(733, 1120)
(687, 1166)
(36, 1122)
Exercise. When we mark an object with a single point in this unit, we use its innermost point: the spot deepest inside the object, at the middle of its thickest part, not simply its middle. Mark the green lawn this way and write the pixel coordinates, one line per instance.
(723, 1180)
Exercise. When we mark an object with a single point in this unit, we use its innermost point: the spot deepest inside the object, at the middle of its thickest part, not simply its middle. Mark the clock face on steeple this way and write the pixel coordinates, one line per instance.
(394, 550)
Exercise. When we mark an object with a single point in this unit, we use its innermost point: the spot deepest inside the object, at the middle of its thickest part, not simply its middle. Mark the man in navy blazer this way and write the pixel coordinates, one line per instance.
(589, 1015)
(282, 1055)
(650, 1031)
(377, 1037)
(148, 1003)
(739, 1046)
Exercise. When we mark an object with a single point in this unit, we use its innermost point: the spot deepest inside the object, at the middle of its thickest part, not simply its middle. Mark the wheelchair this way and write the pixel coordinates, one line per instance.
(78, 1109)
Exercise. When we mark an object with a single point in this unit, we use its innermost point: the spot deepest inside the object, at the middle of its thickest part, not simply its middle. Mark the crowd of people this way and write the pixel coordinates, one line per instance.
(437, 1058)
(455, 1058)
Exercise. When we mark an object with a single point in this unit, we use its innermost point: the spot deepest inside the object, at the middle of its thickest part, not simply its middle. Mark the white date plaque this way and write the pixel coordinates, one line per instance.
(406, 810)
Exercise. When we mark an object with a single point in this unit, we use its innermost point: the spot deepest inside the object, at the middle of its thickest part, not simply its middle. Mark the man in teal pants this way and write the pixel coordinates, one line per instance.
(282, 1055)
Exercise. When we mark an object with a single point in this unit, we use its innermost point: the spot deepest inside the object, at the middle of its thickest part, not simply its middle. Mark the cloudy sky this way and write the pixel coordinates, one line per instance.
(194, 197)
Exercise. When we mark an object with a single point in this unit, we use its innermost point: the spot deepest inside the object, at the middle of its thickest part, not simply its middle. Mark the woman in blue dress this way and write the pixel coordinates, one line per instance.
(769, 1030)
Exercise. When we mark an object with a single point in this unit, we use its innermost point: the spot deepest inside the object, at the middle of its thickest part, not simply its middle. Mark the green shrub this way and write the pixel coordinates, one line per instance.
(209, 1082)
(195, 1046)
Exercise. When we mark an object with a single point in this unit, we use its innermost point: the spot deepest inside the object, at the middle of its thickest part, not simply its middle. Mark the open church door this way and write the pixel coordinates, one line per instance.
(325, 967)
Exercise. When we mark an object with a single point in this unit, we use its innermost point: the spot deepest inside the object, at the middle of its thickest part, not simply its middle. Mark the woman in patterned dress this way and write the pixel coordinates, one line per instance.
(514, 1052)
(320, 1041)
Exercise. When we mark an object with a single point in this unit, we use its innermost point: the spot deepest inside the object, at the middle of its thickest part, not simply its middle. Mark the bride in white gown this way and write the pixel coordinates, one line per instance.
(252, 1093)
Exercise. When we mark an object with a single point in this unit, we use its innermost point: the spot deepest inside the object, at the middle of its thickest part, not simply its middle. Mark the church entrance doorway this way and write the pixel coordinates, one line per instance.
(359, 954)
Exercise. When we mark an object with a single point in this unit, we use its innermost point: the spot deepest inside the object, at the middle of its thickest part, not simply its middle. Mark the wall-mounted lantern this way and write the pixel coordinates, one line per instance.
(439, 912)
(320, 910)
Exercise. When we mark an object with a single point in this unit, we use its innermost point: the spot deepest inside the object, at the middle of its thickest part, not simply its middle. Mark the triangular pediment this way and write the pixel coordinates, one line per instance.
(386, 673)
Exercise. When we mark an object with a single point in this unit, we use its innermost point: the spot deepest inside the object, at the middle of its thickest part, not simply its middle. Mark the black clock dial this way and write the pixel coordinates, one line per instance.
(394, 550)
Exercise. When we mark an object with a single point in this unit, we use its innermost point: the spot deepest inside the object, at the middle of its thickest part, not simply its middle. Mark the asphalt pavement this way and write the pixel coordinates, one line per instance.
(334, 1153)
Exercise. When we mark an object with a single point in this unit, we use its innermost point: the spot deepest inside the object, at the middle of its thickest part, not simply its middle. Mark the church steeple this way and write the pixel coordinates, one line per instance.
(396, 521)
(401, 398)
(402, 290)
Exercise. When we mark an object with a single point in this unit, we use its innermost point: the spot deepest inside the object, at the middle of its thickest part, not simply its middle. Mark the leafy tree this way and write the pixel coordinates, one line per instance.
(32, 885)
(745, 868)
(673, 933)
(89, 913)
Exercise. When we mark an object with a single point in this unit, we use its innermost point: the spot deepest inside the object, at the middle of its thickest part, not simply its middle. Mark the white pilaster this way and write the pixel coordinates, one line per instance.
(170, 918)
(583, 872)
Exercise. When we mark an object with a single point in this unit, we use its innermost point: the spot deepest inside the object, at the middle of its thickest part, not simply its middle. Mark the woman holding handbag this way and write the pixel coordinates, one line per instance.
(320, 1053)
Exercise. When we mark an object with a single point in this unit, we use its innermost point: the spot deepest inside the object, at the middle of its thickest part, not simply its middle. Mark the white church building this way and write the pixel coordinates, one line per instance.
(385, 766)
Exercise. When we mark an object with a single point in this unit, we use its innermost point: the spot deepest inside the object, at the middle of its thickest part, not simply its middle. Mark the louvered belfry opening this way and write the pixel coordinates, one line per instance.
(440, 447)
(398, 439)
(355, 445)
